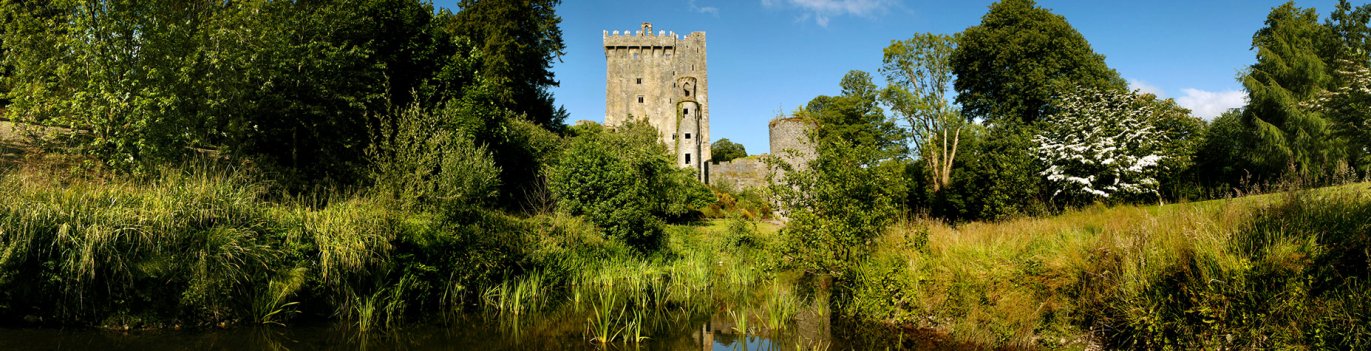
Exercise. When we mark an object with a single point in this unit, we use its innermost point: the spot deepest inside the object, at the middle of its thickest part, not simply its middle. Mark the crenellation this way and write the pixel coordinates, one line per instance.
(661, 78)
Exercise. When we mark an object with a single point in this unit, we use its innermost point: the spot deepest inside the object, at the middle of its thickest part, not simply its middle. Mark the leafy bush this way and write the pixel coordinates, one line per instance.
(624, 181)
(749, 203)
(851, 191)
(425, 163)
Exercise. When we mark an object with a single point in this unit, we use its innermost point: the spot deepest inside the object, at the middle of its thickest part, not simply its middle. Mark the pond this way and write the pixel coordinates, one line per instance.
(670, 331)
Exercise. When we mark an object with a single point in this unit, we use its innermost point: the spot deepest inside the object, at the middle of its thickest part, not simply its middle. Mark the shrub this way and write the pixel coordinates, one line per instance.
(853, 188)
(425, 163)
(625, 182)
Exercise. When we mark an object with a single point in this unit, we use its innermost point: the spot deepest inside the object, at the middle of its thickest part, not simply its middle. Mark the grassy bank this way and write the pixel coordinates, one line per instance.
(214, 248)
(1272, 271)
(205, 248)
(211, 247)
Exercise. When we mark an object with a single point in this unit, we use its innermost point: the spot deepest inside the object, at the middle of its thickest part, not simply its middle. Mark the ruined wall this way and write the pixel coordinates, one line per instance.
(662, 78)
(789, 143)
(740, 173)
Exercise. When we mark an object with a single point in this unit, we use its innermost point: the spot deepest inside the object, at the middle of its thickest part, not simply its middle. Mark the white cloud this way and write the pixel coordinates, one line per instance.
(1144, 87)
(1210, 104)
(822, 10)
(708, 10)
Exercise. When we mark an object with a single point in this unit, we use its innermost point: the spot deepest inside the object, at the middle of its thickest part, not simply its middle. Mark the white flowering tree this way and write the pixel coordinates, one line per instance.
(1101, 144)
(1348, 106)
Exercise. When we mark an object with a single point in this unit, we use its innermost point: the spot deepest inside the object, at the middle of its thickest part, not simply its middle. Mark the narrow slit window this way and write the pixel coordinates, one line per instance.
(687, 159)
(640, 99)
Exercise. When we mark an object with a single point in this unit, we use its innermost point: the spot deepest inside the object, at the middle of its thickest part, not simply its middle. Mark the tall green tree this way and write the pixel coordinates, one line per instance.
(1019, 58)
(1348, 108)
(1348, 56)
(848, 194)
(1348, 36)
(121, 77)
(518, 40)
(1288, 75)
(288, 84)
(919, 76)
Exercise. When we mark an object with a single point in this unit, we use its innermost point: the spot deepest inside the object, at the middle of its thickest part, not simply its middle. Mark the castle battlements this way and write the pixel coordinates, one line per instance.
(663, 78)
(645, 37)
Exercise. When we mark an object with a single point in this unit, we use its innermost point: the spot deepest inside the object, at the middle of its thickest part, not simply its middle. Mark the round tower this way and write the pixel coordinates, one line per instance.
(790, 140)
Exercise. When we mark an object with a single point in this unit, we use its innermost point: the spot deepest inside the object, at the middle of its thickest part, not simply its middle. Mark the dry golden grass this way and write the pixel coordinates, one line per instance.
(1022, 282)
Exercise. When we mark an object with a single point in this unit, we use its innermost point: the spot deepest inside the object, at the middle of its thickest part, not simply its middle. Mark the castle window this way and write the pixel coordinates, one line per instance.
(640, 81)
(687, 135)
(687, 159)
(640, 99)
(686, 111)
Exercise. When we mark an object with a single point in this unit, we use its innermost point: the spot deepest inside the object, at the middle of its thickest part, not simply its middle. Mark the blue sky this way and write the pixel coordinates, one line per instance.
(771, 56)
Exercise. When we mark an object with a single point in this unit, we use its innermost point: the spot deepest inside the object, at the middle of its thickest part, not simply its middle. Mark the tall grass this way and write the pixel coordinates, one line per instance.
(189, 246)
(206, 246)
(1259, 272)
(212, 246)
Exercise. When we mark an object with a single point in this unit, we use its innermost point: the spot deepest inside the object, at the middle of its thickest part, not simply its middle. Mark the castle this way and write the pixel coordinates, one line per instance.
(663, 79)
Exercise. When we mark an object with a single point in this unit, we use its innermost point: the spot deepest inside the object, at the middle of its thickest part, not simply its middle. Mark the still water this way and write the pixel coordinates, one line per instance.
(469, 333)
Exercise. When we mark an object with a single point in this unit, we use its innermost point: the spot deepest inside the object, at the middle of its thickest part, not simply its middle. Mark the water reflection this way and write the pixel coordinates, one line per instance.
(556, 331)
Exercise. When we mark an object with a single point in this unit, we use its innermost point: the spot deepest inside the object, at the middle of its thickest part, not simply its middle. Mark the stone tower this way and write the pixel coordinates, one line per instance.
(663, 79)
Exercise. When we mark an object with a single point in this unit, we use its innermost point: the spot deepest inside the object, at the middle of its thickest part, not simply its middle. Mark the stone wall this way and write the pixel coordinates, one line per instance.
(662, 78)
(740, 173)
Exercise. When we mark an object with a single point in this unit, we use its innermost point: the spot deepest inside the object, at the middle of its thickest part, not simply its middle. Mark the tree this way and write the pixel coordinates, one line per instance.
(1181, 136)
(1348, 35)
(848, 194)
(726, 150)
(1347, 52)
(286, 84)
(1011, 66)
(119, 77)
(1224, 156)
(625, 181)
(518, 40)
(1349, 108)
(1288, 73)
(997, 179)
(1102, 143)
(919, 75)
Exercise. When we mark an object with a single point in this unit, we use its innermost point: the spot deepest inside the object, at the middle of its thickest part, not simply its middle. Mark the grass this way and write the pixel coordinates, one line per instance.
(205, 247)
(212, 247)
(1253, 272)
